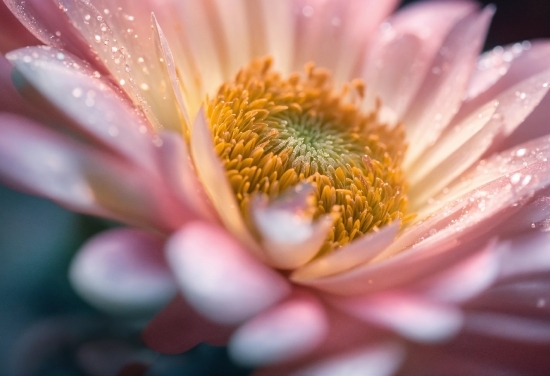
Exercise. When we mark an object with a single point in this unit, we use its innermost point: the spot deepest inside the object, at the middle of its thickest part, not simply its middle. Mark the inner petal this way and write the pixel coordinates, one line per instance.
(272, 133)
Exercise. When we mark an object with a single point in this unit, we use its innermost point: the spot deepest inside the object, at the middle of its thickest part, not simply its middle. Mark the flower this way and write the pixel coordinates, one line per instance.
(284, 209)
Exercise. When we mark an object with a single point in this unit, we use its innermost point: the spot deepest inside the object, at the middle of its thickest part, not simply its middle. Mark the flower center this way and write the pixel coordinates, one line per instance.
(273, 133)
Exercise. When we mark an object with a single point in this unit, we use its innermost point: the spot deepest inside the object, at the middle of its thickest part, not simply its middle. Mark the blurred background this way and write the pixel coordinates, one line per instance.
(45, 329)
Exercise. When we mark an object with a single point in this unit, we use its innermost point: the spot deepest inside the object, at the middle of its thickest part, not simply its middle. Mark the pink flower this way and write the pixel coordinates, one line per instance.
(144, 133)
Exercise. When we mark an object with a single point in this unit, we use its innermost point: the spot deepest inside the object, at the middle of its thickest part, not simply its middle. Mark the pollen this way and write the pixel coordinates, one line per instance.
(272, 133)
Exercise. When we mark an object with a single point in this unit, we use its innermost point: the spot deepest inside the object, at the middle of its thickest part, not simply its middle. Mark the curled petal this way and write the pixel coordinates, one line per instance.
(219, 277)
(358, 252)
(123, 271)
(290, 239)
(280, 334)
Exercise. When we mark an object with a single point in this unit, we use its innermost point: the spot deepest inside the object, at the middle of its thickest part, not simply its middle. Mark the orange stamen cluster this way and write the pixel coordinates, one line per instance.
(272, 133)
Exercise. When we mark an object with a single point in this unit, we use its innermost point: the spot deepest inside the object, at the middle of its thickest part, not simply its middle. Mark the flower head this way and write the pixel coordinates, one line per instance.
(319, 182)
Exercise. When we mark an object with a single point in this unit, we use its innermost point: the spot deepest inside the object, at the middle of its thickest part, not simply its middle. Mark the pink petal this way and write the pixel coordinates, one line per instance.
(380, 360)
(123, 271)
(178, 328)
(122, 41)
(412, 317)
(214, 178)
(524, 297)
(404, 48)
(163, 50)
(285, 332)
(508, 327)
(176, 167)
(83, 179)
(468, 278)
(491, 169)
(526, 255)
(219, 277)
(327, 30)
(99, 111)
(12, 34)
(440, 96)
(288, 239)
(45, 20)
(358, 252)
(450, 142)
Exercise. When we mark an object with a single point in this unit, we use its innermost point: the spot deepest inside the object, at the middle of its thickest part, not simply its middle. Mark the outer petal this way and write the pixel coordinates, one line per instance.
(290, 330)
(514, 105)
(440, 96)
(123, 271)
(178, 328)
(99, 111)
(219, 278)
(404, 48)
(45, 20)
(381, 360)
(526, 255)
(12, 27)
(44, 163)
(412, 317)
(125, 46)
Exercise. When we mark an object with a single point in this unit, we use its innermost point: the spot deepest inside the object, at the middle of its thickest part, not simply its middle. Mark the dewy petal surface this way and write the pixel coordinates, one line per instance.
(440, 95)
(123, 271)
(97, 108)
(135, 65)
(219, 277)
(404, 48)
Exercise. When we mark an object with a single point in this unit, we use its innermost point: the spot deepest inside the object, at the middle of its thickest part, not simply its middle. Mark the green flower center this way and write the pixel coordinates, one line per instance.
(273, 133)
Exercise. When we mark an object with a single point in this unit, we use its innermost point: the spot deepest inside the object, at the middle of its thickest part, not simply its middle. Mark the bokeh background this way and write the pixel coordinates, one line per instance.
(45, 329)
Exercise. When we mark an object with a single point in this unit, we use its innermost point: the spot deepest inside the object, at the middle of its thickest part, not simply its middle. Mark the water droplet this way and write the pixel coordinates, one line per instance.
(144, 87)
(114, 49)
(307, 11)
(60, 56)
(541, 303)
(515, 179)
(122, 82)
(87, 17)
(97, 38)
(521, 152)
(77, 92)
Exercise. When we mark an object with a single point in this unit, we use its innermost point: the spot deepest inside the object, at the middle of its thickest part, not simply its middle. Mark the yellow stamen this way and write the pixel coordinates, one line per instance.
(272, 133)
